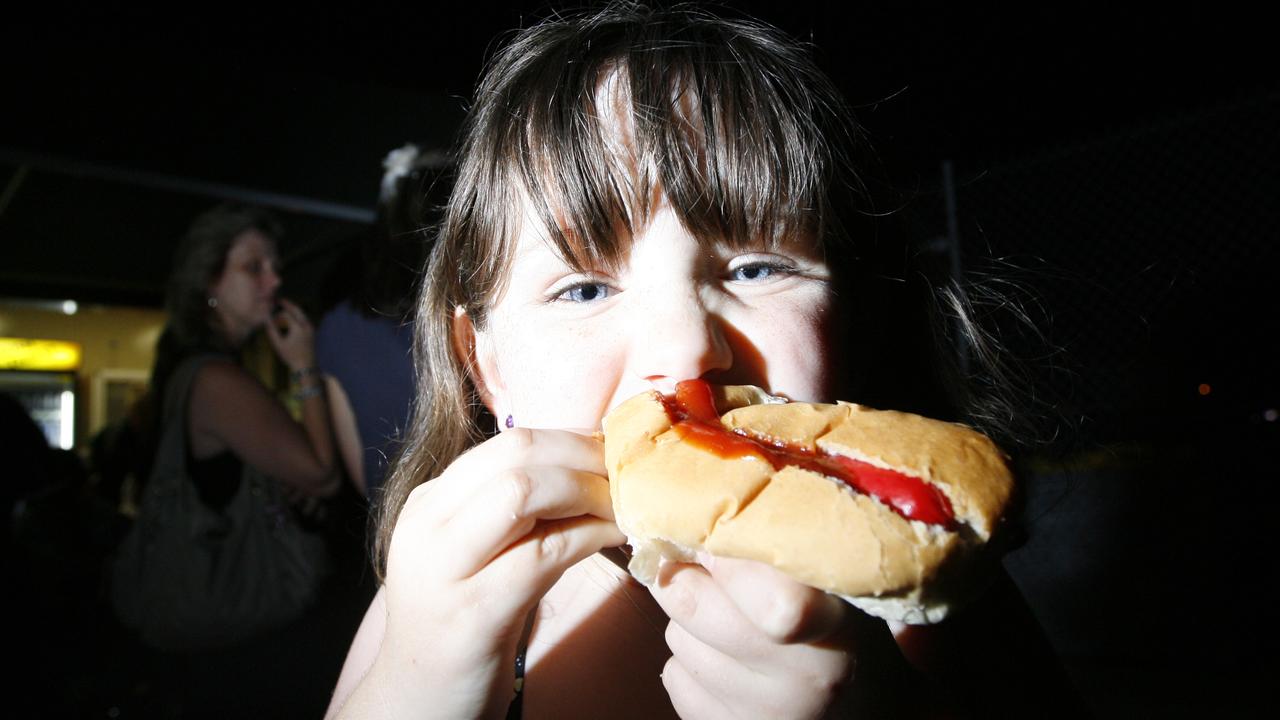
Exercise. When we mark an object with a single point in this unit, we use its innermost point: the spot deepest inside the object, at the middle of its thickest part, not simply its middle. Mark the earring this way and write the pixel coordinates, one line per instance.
(213, 302)
(510, 422)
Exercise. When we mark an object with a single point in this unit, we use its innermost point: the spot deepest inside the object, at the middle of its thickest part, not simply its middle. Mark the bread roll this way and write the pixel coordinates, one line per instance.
(675, 497)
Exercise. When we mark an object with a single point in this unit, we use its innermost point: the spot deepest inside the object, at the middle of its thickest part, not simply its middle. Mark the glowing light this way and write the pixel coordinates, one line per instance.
(67, 423)
(28, 354)
(1270, 415)
(69, 307)
(1205, 389)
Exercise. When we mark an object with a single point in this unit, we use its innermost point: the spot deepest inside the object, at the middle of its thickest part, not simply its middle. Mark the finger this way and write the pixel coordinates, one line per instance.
(289, 307)
(511, 504)
(784, 609)
(691, 598)
(273, 333)
(292, 313)
(519, 575)
(713, 669)
(513, 449)
(528, 568)
(735, 660)
(689, 698)
(547, 446)
(741, 690)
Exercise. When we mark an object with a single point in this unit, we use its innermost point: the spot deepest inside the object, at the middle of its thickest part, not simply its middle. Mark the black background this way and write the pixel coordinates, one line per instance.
(127, 120)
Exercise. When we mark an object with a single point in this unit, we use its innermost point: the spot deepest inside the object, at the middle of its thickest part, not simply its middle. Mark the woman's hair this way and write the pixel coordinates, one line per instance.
(729, 119)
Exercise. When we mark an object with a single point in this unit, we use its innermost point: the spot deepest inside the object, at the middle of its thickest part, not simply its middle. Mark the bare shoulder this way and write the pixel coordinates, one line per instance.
(222, 374)
(230, 407)
(223, 383)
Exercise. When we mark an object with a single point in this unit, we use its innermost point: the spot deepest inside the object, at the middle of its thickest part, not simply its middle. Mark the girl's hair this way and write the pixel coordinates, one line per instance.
(730, 120)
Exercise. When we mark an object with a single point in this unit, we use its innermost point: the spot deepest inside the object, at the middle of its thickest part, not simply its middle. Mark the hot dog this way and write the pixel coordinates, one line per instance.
(886, 509)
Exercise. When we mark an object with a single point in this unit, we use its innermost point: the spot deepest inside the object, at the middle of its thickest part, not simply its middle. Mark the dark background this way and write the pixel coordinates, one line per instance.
(1119, 164)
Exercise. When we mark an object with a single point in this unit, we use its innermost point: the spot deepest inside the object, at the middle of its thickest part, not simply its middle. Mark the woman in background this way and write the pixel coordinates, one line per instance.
(241, 441)
(221, 292)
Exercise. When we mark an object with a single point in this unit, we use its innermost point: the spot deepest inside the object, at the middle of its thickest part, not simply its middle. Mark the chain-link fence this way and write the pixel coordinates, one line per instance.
(1154, 252)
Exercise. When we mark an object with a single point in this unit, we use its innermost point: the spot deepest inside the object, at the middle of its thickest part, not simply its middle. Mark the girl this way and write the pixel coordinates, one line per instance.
(642, 197)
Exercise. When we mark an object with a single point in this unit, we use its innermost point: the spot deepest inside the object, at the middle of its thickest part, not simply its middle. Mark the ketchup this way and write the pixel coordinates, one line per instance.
(694, 418)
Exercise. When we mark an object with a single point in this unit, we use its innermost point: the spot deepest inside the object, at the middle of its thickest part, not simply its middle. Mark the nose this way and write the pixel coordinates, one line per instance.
(678, 339)
(271, 278)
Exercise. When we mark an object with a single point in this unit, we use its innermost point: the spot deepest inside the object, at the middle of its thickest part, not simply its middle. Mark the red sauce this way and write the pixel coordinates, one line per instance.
(694, 417)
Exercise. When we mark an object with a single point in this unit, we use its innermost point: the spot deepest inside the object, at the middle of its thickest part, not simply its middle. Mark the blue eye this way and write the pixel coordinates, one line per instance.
(756, 272)
(585, 292)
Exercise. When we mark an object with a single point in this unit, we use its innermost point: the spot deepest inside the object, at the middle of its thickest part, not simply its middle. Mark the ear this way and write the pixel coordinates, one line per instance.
(477, 358)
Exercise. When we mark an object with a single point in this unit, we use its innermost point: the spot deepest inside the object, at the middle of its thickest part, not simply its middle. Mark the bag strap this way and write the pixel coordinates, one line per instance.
(177, 392)
(169, 469)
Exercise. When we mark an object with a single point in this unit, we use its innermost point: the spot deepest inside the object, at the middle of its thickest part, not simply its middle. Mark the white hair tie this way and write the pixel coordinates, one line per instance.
(397, 164)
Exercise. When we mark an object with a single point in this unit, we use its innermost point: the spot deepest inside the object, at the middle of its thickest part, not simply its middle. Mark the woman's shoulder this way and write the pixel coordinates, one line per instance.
(220, 377)
(217, 367)
(190, 370)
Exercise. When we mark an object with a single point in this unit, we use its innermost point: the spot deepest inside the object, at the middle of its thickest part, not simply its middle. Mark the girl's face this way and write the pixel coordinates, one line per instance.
(246, 289)
(561, 348)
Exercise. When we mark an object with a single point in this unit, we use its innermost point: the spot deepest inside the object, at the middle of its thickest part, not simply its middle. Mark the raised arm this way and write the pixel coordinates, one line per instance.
(231, 410)
(346, 431)
(473, 552)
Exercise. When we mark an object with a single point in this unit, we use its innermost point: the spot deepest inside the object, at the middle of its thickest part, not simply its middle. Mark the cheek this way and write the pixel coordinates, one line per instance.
(234, 291)
(797, 353)
(556, 376)
(799, 364)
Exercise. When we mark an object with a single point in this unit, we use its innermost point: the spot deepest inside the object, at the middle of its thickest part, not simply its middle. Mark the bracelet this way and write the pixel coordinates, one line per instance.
(309, 391)
(297, 376)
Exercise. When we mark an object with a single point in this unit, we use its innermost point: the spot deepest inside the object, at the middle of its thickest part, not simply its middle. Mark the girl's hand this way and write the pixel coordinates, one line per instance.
(292, 336)
(473, 552)
(747, 641)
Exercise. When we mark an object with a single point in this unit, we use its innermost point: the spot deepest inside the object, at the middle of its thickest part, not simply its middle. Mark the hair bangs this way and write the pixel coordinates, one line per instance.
(732, 138)
(728, 121)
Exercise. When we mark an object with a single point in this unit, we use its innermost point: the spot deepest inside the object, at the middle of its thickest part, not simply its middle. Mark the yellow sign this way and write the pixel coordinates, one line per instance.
(28, 354)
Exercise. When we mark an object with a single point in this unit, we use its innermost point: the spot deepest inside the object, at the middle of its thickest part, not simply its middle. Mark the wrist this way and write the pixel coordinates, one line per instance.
(306, 392)
(300, 375)
(464, 686)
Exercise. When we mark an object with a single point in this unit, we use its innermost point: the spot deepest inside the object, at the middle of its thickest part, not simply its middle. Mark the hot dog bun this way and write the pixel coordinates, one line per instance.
(675, 499)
